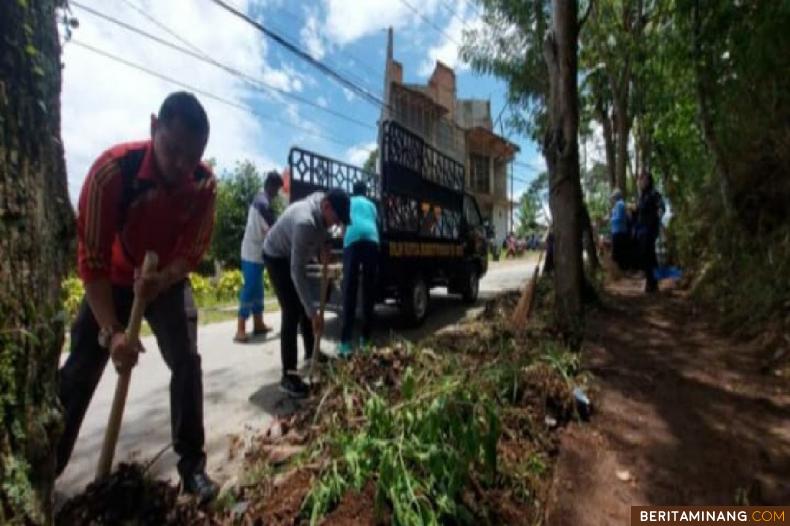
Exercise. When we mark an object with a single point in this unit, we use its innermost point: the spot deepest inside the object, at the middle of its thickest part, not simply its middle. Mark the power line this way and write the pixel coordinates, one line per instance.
(356, 60)
(249, 80)
(164, 28)
(454, 13)
(429, 22)
(364, 93)
(207, 94)
(529, 166)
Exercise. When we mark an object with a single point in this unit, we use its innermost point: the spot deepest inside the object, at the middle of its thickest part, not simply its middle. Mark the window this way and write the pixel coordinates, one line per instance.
(471, 213)
(479, 173)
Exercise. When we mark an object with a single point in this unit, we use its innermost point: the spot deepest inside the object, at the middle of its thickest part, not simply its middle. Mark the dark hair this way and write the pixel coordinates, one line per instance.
(360, 188)
(186, 108)
(273, 180)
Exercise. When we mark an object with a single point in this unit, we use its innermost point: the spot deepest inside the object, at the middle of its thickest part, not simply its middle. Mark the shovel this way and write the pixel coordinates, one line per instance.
(122, 386)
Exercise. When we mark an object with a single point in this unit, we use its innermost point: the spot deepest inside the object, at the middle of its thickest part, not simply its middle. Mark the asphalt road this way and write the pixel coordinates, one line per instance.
(240, 386)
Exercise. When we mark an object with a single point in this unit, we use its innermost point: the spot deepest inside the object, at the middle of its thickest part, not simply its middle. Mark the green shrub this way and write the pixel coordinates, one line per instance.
(72, 292)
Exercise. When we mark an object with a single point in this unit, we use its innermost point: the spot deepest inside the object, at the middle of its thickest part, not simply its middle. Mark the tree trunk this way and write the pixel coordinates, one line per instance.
(36, 224)
(622, 129)
(606, 124)
(562, 157)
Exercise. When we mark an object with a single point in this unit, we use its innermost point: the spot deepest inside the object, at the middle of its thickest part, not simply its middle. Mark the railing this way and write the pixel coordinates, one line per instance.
(409, 151)
(311, 172)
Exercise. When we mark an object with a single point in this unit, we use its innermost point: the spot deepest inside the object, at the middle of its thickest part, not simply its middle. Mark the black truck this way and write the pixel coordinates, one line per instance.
(432, 234)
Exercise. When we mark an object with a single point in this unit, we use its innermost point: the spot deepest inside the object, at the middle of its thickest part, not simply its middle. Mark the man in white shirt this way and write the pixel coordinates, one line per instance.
(260, 218)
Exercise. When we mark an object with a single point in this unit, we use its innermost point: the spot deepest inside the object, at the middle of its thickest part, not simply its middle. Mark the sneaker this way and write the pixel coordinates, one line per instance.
(294, 386)
(344, 350)
(199, 485)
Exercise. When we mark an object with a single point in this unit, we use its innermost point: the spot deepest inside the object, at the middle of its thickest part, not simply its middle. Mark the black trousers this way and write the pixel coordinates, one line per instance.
(173, 319)
(621, 250)
(364, 255)
(292, 314)
(646, 243)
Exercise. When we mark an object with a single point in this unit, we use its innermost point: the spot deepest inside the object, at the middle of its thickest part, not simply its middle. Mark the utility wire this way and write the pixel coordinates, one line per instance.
(293, 48)
(454, 13)
(164, 28)
(251, 81)
(356, 60)
(429, 22)
(207, 94)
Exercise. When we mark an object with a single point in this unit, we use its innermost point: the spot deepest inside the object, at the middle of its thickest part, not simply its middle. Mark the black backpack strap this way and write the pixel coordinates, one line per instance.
(131, 187)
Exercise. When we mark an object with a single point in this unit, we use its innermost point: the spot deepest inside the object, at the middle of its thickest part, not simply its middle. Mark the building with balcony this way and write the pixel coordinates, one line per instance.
(460, 128)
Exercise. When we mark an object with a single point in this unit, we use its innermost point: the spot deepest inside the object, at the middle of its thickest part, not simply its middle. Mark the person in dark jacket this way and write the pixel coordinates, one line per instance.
(360, 251)
(649, 211)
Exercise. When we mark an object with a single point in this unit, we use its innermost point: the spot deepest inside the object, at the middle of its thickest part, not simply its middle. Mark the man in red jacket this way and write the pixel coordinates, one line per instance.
(150, 195)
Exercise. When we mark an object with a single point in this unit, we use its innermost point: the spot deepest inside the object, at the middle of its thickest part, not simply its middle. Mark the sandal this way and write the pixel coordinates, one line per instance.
(239, 338)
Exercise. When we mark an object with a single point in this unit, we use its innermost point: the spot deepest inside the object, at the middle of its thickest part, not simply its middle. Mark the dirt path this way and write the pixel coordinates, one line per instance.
(683, 416)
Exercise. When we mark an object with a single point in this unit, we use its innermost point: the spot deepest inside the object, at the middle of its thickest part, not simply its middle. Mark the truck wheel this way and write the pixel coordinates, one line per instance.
(414, 299)
(471, 288)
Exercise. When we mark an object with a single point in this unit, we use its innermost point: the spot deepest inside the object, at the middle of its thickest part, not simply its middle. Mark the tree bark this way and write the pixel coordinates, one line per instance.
(36, 225)
(622, 129)
(606, 124)
(561, 150)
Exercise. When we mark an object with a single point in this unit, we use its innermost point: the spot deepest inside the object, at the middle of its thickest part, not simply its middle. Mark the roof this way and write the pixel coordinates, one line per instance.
(498, 145)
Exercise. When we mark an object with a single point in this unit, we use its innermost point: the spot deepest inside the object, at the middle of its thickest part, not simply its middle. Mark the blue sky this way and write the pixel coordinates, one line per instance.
(105, 102)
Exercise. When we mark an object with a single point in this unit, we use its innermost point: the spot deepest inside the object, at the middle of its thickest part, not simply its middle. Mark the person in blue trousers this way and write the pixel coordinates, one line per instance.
(260, 218)
(621, 239)
(360, 253)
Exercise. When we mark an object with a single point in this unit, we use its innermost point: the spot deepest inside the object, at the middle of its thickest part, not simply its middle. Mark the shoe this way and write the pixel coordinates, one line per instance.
(199, 485)
(294, 386)
(241, 338)
(344, 350)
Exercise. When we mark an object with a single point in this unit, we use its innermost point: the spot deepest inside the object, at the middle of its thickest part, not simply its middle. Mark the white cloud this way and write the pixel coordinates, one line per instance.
(104, 102)
(321, 101)
(446, 50)
(311, 38)
(348, 21)
(349, 94)
(357, 155)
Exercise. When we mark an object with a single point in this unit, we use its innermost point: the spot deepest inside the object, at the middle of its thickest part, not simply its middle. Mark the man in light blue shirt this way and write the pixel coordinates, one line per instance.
(360, 252)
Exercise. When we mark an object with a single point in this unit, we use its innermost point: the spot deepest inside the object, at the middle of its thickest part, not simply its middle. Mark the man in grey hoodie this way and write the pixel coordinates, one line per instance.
(297, 237)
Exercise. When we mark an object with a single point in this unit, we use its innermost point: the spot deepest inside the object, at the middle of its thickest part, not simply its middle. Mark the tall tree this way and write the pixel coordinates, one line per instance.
(533, 46)
(36, 225)
(235, 193)
(561, 149)
(612, 50)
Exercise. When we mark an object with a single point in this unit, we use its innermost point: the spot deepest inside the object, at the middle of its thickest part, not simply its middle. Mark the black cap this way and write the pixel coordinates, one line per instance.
(340, 204)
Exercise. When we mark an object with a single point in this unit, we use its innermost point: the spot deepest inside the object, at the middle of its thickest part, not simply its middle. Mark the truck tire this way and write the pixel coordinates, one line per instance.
(471, 286)
(414, 300)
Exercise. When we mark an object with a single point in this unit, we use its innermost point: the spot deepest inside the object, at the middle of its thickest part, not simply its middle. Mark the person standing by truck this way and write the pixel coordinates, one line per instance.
(297, 237)
(260, 218)
(360, 251)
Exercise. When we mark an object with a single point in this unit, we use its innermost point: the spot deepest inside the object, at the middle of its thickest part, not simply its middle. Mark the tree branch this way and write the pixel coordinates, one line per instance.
(586, 15)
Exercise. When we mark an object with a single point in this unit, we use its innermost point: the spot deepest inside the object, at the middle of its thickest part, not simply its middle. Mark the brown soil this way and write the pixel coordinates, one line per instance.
(358, 509)
(282, 506)
(684, 416)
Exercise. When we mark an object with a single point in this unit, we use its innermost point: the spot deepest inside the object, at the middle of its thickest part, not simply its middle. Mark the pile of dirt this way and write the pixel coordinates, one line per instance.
(359, 508)
(128, 497)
